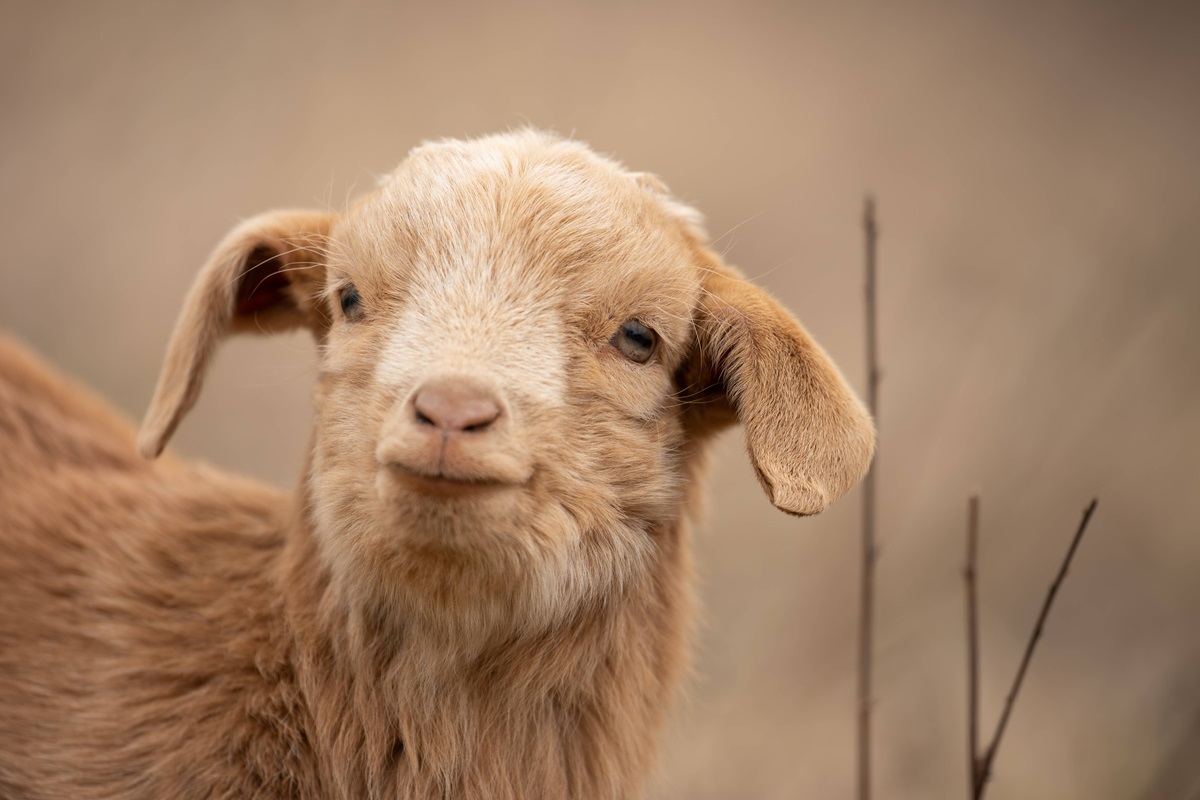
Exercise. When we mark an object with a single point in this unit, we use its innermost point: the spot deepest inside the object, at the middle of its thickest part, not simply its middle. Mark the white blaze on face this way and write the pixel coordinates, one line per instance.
(477, 323)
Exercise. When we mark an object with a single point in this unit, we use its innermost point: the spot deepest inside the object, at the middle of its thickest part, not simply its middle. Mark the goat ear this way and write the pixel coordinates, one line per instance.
(266, 275)
(809, 437)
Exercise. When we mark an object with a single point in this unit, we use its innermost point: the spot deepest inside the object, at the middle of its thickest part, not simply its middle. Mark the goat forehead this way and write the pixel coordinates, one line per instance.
(552, 202)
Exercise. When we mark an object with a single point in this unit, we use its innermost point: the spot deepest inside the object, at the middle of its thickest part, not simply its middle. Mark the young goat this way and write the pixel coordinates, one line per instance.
(482, 588)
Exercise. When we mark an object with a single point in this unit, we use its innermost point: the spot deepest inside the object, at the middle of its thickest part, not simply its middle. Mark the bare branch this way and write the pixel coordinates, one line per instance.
(989, 755)
(867, 611)
(972, 647)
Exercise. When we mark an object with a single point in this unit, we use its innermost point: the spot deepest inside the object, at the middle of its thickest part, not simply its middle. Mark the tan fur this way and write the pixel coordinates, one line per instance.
(168, 631)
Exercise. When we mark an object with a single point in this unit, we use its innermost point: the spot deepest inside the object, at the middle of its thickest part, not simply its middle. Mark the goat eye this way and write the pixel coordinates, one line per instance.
(635, 341)
(351, 302)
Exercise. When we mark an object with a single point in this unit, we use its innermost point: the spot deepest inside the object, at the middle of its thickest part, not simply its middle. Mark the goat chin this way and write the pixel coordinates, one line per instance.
(482, 588)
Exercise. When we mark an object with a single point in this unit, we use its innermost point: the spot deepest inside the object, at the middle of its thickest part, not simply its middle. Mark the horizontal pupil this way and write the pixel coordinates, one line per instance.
(640, 339)
(639, 334)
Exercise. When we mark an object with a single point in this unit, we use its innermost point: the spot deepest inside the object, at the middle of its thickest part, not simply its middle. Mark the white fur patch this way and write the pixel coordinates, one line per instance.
(472, 321)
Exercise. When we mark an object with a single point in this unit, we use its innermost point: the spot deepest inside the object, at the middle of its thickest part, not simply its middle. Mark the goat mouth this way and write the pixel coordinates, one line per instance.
(445, 485)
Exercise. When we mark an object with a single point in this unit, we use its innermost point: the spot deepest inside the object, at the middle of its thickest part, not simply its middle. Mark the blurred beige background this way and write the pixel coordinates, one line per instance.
(1039, 188)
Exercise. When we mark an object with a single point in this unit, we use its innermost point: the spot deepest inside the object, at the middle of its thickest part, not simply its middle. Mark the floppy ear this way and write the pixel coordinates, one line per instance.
(809, 437)
(265, 276)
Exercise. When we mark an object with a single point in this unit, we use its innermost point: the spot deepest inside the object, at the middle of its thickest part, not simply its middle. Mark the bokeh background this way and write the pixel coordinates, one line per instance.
(1038, 179)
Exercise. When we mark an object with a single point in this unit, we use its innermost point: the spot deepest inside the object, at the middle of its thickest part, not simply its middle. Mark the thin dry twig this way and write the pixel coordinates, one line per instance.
(972, 644)
(869, 554)
(982, 764)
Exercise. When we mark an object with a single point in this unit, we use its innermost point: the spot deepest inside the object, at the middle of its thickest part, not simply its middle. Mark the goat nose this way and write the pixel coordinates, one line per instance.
(455, 406)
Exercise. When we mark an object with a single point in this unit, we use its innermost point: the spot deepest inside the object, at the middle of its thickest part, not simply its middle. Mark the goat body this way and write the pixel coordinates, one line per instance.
(455, 602)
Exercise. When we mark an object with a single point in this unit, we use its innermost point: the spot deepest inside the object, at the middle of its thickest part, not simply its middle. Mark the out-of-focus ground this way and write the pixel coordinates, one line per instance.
(1039, 185)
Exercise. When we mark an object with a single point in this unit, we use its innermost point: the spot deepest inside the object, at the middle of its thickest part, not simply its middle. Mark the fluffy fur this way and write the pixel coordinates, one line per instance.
(498, 614)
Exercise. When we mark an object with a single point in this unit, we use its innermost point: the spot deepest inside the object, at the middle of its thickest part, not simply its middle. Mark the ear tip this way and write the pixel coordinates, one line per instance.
(150, 444)
(793, 494)
(798, 500)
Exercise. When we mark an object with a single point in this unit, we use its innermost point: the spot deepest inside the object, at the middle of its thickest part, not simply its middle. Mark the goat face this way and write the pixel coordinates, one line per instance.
(523, 345)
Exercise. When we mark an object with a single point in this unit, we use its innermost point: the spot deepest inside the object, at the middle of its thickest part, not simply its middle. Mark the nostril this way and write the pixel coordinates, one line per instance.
(455, 406)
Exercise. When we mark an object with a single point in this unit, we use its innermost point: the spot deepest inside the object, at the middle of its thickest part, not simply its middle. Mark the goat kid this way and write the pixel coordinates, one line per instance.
(482, 587)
